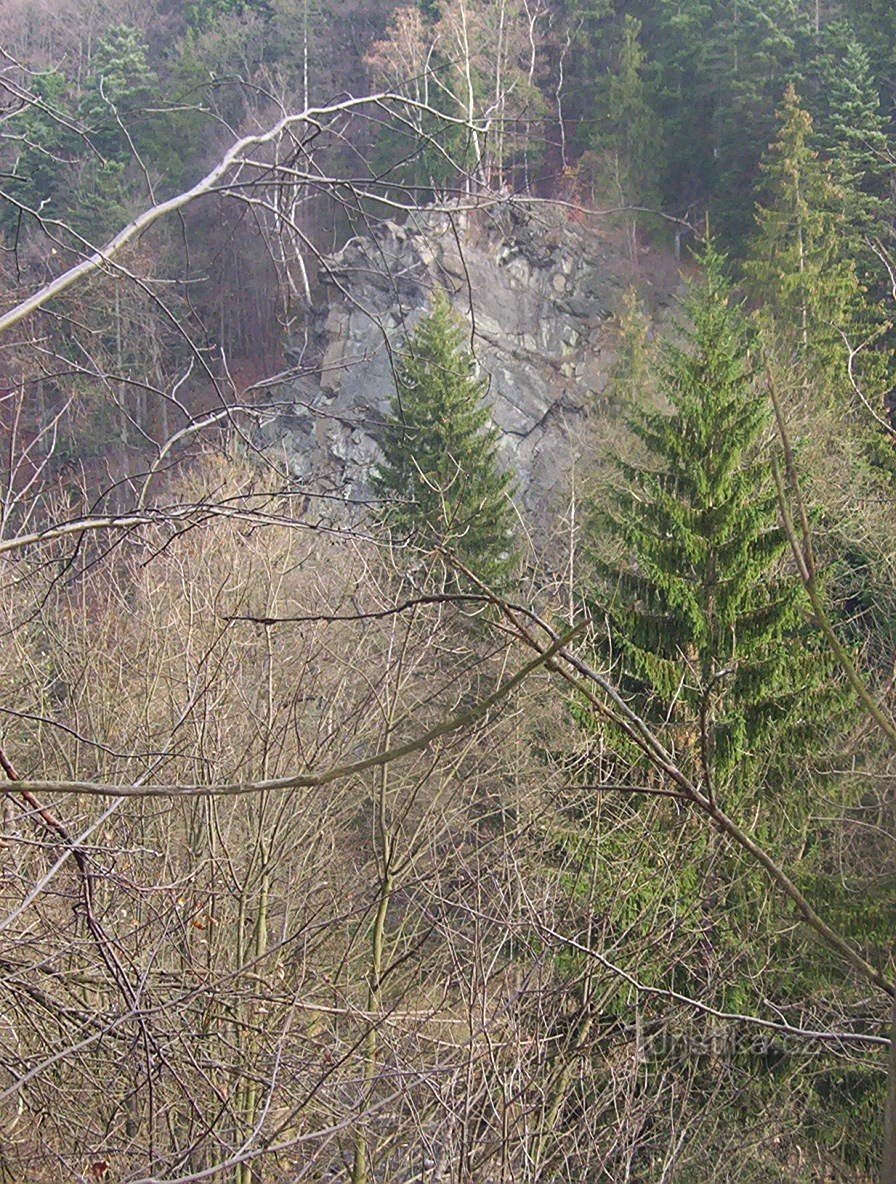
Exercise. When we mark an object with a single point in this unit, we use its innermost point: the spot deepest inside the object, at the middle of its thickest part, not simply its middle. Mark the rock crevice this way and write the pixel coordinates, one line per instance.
(537, 292)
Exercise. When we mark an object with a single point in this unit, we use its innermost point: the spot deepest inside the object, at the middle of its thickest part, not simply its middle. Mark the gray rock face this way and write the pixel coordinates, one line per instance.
(537, 293)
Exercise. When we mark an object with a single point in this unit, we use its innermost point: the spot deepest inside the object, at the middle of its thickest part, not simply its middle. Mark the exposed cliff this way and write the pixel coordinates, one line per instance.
(539, 294)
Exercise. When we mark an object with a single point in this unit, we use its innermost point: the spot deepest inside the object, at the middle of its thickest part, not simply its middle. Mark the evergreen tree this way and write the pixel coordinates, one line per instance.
(123, 110)
(633, 372)
(121, 86)
(679, 33)
(850, 129)
(630, 125)
(799, 267)
(707, 628)
(875, 23)
(46, 148)
(591, 21)
(757, 46)
(439, 478)
(203, 14)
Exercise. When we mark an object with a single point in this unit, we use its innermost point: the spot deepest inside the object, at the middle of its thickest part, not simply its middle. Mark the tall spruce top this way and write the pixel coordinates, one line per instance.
(705, 622)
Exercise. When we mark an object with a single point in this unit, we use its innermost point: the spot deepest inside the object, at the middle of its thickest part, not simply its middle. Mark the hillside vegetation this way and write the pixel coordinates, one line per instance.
(406, 835)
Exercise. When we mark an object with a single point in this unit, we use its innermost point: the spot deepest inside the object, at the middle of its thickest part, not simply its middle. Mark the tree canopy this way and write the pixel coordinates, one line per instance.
(440, 477)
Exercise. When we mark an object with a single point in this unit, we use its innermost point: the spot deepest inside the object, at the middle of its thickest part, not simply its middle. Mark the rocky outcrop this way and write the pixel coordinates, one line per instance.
(538, 293)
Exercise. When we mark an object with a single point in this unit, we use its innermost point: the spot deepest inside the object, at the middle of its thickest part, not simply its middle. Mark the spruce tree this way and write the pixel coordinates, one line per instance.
(39, 173)
(680, 33)
(121, 86)
(632, 373)
(754, 47)
(799, 267)
(706, 626)
(630, 130)
(440, 480)
(875, 23)
(850, 130)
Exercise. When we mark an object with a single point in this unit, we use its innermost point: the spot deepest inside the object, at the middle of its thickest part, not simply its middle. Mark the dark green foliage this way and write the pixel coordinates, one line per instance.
(417, 151)
(102, 200)
(799, 266)
(860, 582)
(705, 625)
(202, 14)
(629, 129)
(46, 145)
(135, 126)
(707, 630)
(680, 42)
(587, 62)
(83, 148)
(717, 69)
(620, 130)
(758, 46)
(419, 163)
(122, 84)
(850, 129)
(875, 23)
(439, 478)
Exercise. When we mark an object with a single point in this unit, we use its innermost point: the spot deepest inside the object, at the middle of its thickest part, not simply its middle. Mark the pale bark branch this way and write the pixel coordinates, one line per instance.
(234, 157)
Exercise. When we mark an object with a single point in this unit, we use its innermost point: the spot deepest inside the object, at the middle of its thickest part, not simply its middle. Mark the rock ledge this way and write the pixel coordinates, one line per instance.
(537, 293)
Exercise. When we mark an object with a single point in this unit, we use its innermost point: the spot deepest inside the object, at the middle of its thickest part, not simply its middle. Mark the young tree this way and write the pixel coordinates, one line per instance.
(709, 638)
(850, 130)
(633, 371)
(630, 132)
(440, 479)
(798, 267)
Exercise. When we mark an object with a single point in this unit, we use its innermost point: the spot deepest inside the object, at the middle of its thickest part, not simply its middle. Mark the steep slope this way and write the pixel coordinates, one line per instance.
(539, 293)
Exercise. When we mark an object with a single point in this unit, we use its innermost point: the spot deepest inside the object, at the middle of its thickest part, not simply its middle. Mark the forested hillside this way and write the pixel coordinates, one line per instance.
(446, 824)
